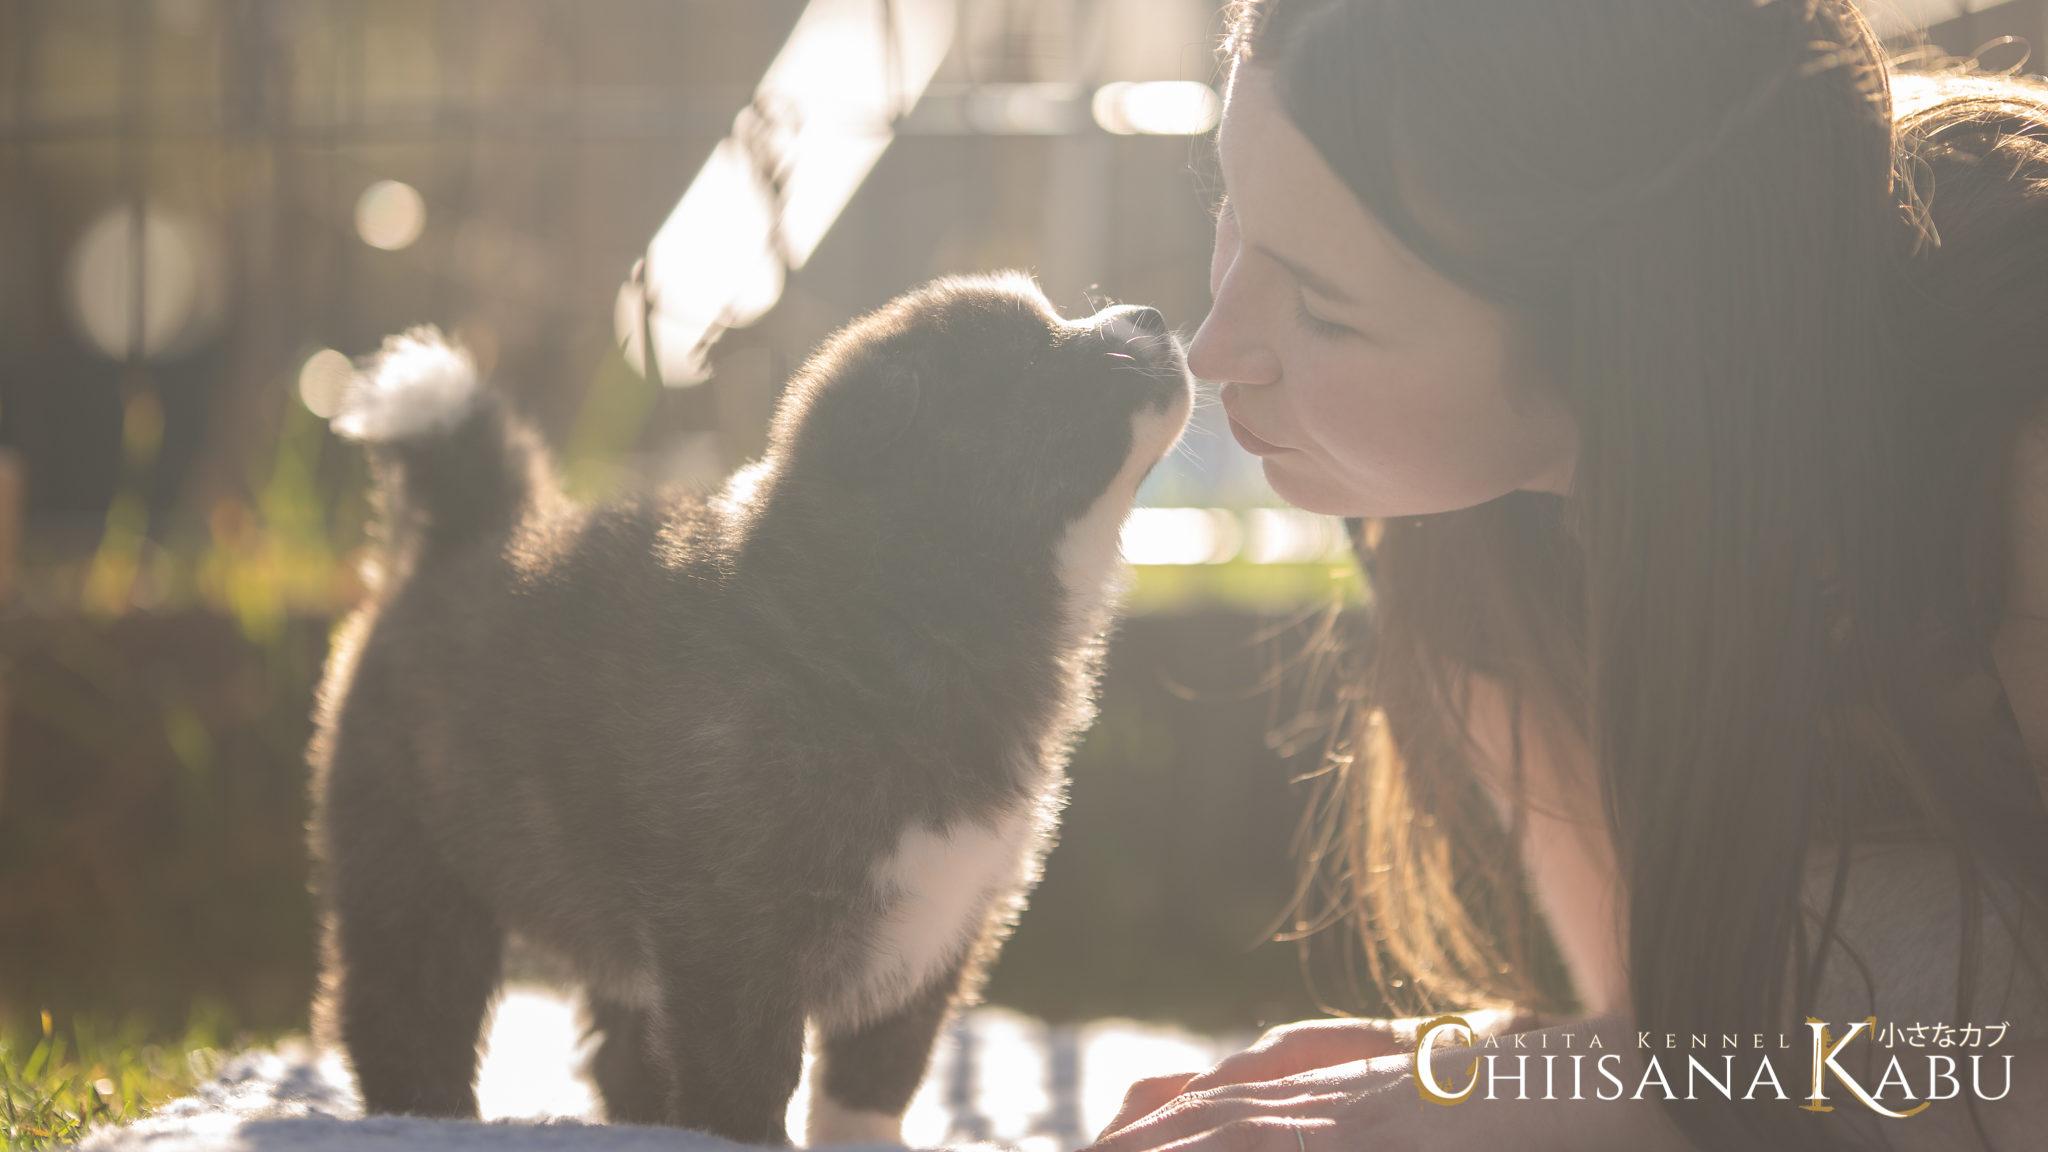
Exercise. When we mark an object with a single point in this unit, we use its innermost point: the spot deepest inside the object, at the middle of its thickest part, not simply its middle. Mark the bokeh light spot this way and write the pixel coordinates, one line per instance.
(323, 379)
(390, 215)
(1156, 107)
(177, 301)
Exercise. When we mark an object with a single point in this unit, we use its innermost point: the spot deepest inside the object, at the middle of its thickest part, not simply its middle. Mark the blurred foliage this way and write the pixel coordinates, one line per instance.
(283, 549)
(1174, 870)
(1241, 584)
(152, 830)
(152, 833)
(57, 1083)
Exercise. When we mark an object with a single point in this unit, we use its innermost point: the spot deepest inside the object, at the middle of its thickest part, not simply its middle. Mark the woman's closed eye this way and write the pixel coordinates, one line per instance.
(1327, 329)
(1226, 220)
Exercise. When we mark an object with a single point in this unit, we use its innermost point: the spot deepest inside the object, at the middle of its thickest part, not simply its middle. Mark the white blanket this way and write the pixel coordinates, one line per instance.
(997, 1078)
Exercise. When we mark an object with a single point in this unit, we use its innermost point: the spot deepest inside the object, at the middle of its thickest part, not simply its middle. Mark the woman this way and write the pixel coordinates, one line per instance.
(1678, 372)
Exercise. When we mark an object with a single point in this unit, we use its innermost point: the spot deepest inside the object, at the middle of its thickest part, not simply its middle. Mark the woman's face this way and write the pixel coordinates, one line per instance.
(1366, 382)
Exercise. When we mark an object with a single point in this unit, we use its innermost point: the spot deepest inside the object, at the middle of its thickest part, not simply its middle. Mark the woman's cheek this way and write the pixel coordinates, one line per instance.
(1333, 397)
(1371, 439)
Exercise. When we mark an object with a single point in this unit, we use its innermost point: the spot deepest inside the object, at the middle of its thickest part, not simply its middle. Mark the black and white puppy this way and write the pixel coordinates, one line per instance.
(791, 752)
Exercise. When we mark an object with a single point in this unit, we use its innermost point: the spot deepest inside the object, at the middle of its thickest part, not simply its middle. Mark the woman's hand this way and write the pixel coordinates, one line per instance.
(1293, 1049)
(1375, 1103)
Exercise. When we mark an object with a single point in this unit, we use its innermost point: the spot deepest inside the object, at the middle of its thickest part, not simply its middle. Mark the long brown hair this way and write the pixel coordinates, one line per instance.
(1797, 332)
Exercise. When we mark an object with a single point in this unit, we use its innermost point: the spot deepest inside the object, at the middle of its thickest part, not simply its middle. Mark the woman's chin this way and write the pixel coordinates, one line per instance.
(1313, 491)
(1295, 479)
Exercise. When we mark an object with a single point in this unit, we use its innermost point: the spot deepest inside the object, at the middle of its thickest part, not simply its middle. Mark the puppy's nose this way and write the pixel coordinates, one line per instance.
(1134, 336)
(1133, 328)
(1132, 323)
(1147, 320)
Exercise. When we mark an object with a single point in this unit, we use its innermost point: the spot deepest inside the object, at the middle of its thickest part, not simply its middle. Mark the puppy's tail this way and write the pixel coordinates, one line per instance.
(451, 465)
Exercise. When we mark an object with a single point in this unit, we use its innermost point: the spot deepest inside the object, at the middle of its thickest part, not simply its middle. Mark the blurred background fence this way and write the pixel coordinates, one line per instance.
(641, 214)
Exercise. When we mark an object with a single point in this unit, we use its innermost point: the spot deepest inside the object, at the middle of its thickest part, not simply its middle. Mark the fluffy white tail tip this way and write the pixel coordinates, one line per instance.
(418, 384)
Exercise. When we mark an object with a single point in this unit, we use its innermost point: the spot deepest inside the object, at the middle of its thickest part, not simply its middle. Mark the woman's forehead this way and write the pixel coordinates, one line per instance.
(1277, 179)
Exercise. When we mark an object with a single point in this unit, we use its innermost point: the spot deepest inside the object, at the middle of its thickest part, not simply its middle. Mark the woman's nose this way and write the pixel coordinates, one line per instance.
(1228, 348)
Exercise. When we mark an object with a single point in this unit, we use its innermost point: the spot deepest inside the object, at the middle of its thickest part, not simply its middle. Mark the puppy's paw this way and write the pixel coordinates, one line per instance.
(833, 1123)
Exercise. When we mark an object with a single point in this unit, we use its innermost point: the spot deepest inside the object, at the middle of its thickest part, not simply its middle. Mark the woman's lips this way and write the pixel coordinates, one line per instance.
(1249, 440)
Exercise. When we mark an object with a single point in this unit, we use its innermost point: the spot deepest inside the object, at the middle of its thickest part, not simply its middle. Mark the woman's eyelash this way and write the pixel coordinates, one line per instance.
(1220, 206)
(1318, 325)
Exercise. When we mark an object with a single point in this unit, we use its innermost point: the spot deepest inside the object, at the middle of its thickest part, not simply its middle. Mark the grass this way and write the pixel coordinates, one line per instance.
(60, 1084)
(1280, 589)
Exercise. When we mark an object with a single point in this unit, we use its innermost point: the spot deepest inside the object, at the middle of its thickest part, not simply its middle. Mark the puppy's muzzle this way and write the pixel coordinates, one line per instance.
(1134, 332)
(1136, 337)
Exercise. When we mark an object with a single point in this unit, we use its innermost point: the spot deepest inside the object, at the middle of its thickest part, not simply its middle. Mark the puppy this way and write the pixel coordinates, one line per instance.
(792, 752)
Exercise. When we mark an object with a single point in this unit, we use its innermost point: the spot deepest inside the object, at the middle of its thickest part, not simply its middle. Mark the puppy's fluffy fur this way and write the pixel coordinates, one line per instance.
(788, 753)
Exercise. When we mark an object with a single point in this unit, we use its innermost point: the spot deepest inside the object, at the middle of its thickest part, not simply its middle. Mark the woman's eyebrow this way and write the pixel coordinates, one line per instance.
(1310, 279)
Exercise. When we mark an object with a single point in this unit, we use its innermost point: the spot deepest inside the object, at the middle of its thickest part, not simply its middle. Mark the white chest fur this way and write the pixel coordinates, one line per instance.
(1089, 559)
(939, 887)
